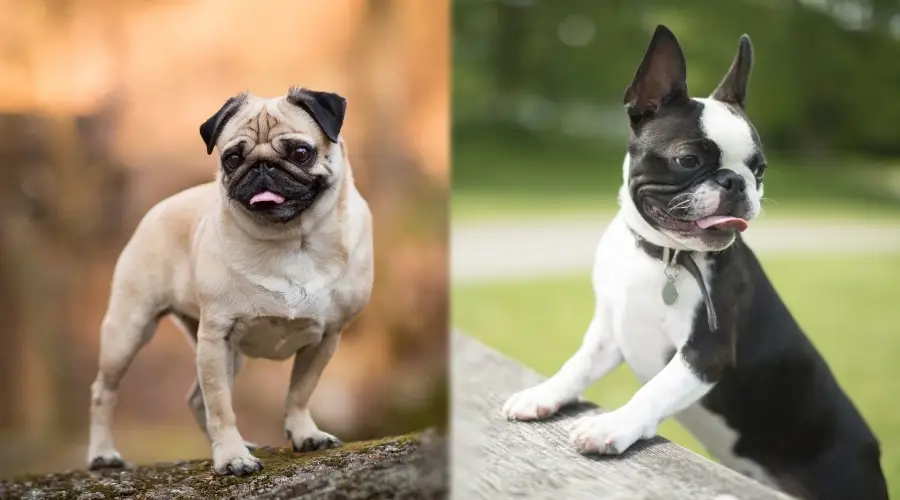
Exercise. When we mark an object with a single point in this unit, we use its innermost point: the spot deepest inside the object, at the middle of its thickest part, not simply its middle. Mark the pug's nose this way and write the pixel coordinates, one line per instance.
(730, 180)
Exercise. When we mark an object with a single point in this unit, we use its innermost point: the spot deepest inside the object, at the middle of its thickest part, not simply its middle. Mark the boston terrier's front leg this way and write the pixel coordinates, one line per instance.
(673, 389)
(596, 357)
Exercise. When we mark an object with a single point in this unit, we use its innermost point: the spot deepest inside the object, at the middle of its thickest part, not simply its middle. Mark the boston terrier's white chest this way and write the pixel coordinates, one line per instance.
(630, 283)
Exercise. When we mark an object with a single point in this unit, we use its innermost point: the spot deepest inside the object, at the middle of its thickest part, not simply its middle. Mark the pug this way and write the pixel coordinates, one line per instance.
(271, 260)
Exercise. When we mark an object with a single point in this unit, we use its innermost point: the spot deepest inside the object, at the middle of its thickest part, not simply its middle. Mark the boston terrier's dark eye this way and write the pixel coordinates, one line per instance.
(688, 161)
(232, 161)
(301, 155)
(757, 164)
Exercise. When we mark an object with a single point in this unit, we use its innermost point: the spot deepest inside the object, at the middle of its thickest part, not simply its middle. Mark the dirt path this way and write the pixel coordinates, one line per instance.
(487, 251)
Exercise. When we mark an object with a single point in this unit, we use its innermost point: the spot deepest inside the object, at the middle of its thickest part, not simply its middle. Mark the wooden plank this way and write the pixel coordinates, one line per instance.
(493, 458)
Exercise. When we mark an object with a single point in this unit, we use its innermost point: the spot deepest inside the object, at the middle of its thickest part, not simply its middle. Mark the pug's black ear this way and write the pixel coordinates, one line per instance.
(326, 108)
(733, 88)
(661, 79)
(212, 128)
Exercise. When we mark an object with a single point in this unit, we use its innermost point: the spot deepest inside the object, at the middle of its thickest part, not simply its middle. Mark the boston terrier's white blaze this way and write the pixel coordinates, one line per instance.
(685, 303)
(733, 135)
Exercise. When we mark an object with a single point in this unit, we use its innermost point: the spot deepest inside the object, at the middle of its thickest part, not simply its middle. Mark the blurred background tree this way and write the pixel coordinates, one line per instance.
(100, 103)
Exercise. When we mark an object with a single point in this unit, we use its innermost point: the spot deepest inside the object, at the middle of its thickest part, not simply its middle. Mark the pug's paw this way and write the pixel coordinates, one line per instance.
(318, 440)
(106, 461)
(235, 460)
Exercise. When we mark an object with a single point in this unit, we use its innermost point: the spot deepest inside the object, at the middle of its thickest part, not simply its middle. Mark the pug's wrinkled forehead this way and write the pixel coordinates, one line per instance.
(311, 116)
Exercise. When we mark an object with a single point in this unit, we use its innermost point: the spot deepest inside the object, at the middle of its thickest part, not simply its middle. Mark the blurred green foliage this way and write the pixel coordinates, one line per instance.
(551, 74)
(825, 80)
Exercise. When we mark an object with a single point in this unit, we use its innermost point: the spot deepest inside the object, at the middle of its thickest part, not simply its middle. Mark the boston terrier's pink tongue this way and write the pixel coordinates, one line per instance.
(722, 222)
(267, 196)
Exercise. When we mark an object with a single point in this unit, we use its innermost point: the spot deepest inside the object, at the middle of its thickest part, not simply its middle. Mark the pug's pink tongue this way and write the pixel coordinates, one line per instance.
(722, 222)
(267, 196)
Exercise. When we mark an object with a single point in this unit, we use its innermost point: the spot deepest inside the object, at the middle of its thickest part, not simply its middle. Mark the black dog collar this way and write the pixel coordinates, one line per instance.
(685, 260)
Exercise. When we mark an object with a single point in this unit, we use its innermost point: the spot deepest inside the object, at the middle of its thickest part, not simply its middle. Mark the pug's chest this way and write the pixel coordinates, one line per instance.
(297, 298)
(275, 337)
(286, 314)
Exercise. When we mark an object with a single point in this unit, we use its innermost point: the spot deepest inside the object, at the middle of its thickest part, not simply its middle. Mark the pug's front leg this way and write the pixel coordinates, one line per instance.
(309, 363)
(215, 363)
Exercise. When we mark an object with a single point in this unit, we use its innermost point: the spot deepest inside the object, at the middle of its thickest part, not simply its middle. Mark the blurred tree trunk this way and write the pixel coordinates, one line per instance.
(59, 185)
(883, 12)
(11, 353)
(22, 360)
(376, 69)
(74, 221)
(806, 75)
(512, 34)
(409, 297)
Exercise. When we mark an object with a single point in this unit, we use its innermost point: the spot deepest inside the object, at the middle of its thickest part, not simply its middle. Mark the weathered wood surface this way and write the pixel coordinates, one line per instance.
(410, 467)
(493, 458)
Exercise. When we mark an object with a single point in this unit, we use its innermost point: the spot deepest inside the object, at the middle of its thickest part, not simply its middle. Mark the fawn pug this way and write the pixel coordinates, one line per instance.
(271, 260)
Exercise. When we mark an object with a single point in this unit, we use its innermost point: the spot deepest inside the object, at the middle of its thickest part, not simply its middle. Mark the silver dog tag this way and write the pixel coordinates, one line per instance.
(670, 291)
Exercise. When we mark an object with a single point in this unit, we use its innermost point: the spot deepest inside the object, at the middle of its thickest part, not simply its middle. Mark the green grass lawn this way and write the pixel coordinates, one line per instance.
(504, 179)
(847, 305)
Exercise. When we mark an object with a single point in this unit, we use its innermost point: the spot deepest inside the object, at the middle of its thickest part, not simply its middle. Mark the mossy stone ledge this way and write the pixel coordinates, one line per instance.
(412, 466)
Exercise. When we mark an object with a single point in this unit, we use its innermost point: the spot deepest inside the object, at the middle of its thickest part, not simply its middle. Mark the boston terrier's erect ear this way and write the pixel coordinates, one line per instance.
(660, 80)
(733, 88)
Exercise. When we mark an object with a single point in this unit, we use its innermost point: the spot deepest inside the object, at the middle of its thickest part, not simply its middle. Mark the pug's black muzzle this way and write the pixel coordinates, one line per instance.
(299, 191)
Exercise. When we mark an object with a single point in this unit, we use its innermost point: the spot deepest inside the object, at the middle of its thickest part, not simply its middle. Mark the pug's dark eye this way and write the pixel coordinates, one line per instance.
(689, 161)
(301, 155)
(232, 161)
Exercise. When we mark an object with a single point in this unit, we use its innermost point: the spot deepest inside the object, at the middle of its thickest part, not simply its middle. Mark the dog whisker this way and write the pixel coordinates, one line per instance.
(685, 203)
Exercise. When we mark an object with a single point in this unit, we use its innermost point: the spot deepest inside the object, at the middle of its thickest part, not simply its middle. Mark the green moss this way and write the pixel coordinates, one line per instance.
(359, 469)
(105, 489)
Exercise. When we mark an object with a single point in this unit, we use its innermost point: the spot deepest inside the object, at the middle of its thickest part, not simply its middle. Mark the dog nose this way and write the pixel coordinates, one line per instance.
(730, 180)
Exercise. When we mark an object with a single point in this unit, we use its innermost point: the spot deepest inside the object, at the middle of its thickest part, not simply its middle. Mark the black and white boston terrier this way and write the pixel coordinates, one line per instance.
(683, 300)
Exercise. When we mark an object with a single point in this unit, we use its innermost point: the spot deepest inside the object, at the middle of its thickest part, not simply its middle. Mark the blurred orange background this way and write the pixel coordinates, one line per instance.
(100, 104)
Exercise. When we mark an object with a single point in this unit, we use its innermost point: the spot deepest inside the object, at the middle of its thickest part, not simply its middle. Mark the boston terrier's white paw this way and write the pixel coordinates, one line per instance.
(610, 433)
(538, 402)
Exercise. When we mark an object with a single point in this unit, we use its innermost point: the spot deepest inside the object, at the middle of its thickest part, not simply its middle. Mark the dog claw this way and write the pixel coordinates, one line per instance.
(241, 466)
(110, 462)
(610, 433)
(319, 441)
(536, 403)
